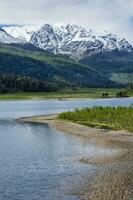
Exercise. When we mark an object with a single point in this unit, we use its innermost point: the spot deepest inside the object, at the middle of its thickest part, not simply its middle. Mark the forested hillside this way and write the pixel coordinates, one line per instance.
(57, 71)
(13, 83)
(117, 66)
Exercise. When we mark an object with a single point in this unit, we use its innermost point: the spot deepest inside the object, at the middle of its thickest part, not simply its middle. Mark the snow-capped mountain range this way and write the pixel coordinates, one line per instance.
(72, 40)
(23, 33)
(6, 38)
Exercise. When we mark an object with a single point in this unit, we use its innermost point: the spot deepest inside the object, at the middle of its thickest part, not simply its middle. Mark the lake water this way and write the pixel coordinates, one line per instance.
(38, 162)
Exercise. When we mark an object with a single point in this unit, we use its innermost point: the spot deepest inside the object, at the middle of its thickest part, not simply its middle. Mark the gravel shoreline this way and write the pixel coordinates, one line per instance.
(115, 180)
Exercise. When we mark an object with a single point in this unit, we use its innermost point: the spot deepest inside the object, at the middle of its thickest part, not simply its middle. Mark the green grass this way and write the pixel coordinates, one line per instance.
(120, 118)
(130, 93)
(68, 94)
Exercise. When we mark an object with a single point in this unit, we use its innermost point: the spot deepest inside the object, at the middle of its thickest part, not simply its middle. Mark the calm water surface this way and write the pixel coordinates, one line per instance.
(38, 162)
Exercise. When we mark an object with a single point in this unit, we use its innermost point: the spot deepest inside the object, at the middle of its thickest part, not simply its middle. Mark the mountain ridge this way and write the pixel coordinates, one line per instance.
(71, 40)
(7, 38)
(74, 46)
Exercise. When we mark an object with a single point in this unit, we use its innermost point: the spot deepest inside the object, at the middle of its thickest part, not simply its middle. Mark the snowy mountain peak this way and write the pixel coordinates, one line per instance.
(70, 39)
(2, 30)
(77, 41)
(23, 33)
(46, 27)
(6, 38)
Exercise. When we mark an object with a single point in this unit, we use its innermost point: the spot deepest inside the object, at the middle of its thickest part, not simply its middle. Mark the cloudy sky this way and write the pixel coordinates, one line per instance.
(111, 15)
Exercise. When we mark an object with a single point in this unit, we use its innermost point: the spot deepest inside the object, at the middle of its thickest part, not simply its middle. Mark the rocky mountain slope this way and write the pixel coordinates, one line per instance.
(72, 40)
(77, 42)
(23, 33)
(6, 38)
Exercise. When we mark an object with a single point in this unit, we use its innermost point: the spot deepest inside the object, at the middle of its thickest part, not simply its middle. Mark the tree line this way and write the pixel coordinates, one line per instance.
(14, 83)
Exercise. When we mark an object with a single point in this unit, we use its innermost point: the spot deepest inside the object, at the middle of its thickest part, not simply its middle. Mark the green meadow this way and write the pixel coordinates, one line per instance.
(120, 118)
(68, 94)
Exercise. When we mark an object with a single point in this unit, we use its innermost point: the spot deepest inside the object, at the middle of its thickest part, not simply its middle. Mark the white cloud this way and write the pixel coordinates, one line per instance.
(113, 15)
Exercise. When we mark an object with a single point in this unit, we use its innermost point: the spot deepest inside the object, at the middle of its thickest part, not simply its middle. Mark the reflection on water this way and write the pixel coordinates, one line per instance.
(37, 162)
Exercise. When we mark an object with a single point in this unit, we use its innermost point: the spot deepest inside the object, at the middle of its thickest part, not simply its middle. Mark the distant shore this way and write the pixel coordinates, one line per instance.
(116, 180)
(64, 95)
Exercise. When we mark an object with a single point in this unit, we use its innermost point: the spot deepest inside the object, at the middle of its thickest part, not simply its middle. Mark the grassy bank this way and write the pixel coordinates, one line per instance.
(84, 93)
(120, 118)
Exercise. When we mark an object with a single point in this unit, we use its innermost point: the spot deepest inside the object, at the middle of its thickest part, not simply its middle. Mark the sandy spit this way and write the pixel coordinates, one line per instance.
(115, 178)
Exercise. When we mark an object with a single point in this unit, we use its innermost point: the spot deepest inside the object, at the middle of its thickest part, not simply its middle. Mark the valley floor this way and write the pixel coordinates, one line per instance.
(115, 177)
(78, 94)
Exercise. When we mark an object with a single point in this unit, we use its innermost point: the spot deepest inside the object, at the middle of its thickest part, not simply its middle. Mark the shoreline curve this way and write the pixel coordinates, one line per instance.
(116, 180)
